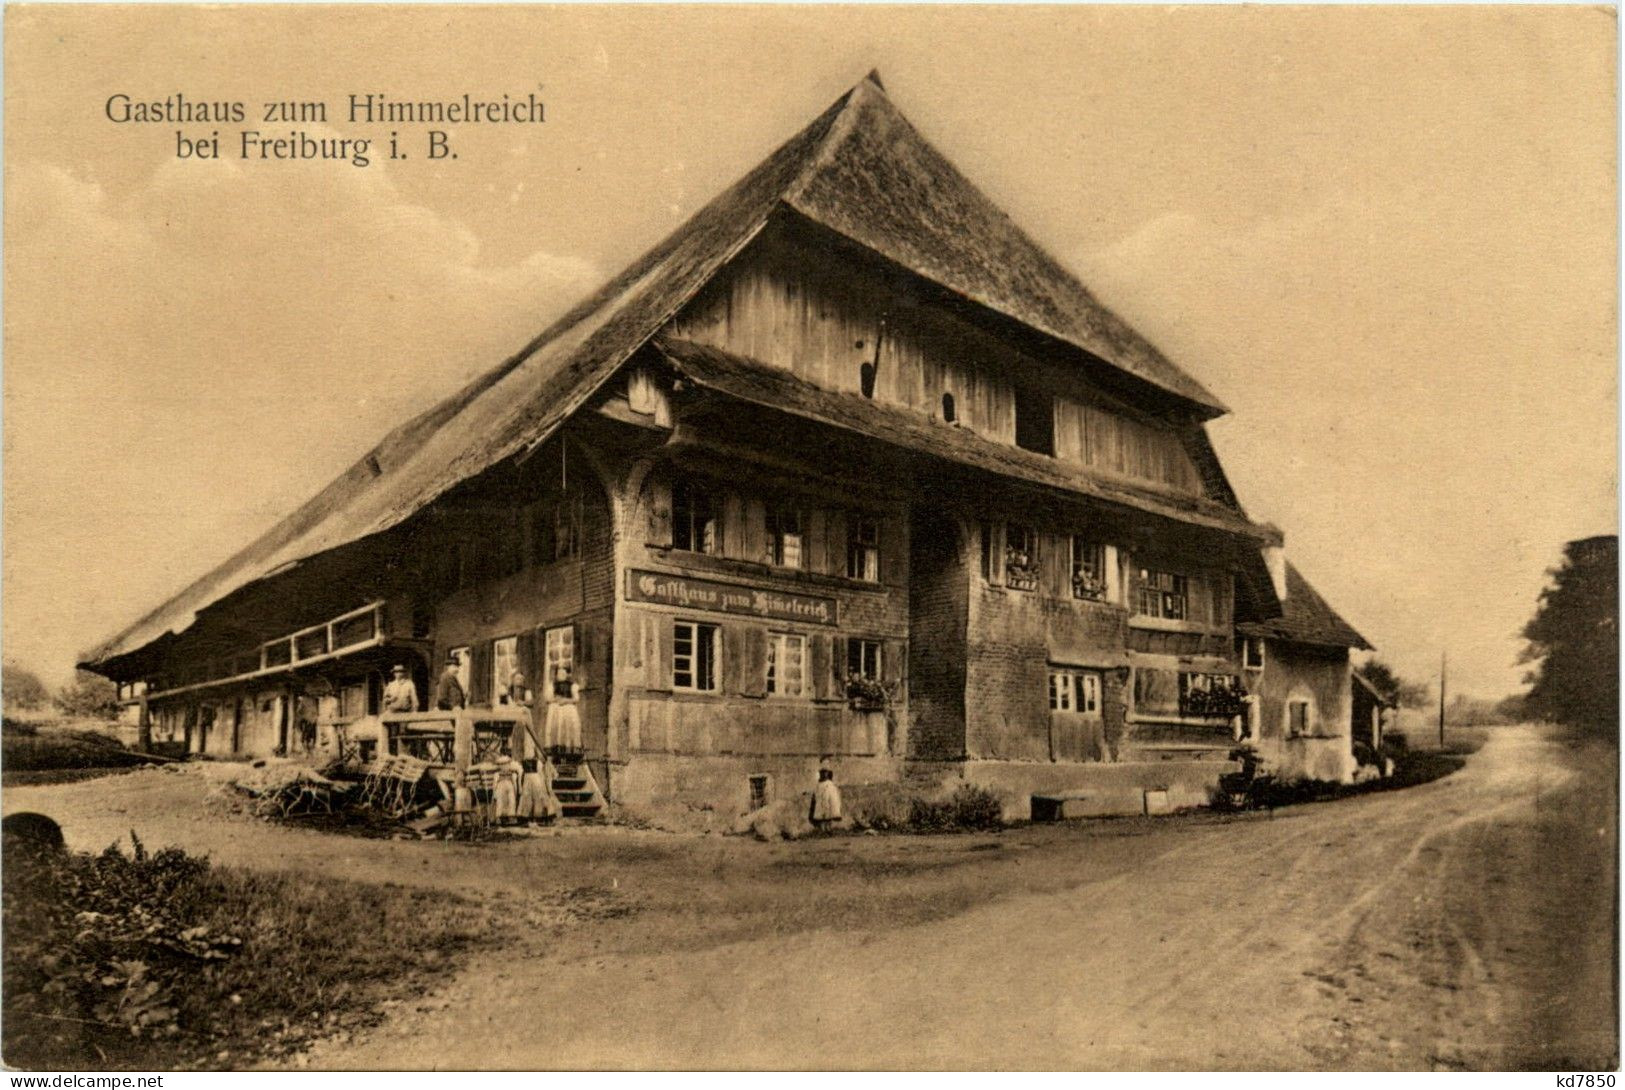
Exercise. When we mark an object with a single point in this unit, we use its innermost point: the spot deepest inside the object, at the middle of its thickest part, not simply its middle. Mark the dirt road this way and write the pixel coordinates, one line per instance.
(1466, 923)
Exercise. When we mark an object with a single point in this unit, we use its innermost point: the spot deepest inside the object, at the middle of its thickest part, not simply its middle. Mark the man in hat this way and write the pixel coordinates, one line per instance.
(448, 695)
(400, 695)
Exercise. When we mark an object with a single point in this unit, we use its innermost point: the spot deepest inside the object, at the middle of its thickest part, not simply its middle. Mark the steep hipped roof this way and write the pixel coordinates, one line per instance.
(1306, 618)
(859, 169)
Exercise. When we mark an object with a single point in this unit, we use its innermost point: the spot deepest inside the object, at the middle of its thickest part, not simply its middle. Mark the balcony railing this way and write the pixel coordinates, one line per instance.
(345, 634)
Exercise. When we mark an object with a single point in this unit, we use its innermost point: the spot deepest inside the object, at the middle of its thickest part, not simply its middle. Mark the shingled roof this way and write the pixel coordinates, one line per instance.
(1306, 618)
(860, 169)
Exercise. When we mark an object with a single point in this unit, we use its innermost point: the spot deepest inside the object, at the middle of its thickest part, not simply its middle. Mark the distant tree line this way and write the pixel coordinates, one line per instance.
(88, 696)
(1572, 642)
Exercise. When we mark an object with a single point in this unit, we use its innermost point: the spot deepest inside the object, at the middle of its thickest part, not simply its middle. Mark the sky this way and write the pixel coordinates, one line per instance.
(1386, 238)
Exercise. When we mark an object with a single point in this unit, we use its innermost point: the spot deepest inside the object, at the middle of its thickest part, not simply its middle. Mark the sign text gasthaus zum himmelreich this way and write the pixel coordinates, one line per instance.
(707, 594)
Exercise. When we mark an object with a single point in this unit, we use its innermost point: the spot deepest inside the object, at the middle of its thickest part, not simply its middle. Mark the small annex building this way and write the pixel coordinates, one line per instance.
(1302, 685)
(846, 471)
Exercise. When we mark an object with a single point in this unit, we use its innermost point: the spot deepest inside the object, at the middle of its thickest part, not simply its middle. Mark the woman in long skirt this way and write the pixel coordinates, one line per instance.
(505, 791)
(563, 717)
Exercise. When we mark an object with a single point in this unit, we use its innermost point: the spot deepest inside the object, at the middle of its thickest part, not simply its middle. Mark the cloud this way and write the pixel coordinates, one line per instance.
(188, 361)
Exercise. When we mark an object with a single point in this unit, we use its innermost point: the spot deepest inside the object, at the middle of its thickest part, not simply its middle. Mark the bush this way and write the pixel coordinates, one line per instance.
(969, 807)
(89, 697)
(153, 961)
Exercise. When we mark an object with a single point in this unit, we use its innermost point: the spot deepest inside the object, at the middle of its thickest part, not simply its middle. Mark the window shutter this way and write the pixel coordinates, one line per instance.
(1114, 574)
(892, 559)
(581, 643)
(735, 658)
(814, 547)
(753, 668)
(731, 527)
(835, 543)
(529, 658)
(819, 663)
(995, 538)
(1223, 592)
(894, 654)
(837, 664)
(1055, 564)
(657, 495)
(754, 537)
(659, 667)
(479, 673)
(1156, 692)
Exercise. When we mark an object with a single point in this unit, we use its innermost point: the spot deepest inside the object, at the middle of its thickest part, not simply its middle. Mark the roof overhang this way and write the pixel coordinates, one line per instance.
(772, 387)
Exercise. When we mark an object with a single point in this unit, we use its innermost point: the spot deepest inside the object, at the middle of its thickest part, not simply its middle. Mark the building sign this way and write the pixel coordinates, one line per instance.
(707, 594)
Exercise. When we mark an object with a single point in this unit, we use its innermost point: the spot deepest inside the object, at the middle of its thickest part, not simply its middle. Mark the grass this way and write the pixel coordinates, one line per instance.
(35, 753)
(162, 961)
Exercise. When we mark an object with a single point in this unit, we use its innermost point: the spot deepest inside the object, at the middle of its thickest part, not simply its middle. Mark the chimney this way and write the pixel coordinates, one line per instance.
(1275, 561)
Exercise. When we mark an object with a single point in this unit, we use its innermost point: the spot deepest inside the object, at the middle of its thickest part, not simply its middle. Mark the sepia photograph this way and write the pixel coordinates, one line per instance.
(649, 538)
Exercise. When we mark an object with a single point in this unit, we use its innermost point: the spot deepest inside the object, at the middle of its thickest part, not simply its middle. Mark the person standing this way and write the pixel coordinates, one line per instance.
(563, 717)
(449, 695)
(826, 803)
(400, 695)
(518, 692)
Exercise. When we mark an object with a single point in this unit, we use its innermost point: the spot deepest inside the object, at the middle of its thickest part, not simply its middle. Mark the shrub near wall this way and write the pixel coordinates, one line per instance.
(969, 807)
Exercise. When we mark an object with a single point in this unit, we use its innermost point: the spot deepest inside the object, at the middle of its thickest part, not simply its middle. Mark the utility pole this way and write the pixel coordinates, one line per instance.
(1444, 664)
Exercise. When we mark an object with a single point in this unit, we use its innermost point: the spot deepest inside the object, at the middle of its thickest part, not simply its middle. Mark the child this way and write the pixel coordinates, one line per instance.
(826, 805)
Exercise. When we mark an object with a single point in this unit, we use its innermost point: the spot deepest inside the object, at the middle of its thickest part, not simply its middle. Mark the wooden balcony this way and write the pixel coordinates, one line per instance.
(346, 634)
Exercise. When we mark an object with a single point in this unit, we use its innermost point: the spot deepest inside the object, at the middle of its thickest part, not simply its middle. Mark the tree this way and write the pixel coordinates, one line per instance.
(21, 689)
(1573, 639)
(1393, 687)
(90, 696)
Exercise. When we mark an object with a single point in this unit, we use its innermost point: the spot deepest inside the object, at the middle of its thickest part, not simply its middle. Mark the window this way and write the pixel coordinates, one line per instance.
(693, 517)
(694, 656)
(504, 661)
(759, 791)
(1035, 421)
(949, 414)
(863, 659)
(866, 378)
(863, 548)
(1297, 718)
(786, 664)
(1020, 558)
(560, 650)
(1252, 652)
(1210, 696)
(1163, 594)
(784, 537)
(1076, 691)
(1088, 569)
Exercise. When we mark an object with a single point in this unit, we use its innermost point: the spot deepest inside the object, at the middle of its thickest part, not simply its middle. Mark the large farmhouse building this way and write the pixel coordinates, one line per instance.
(847, 471)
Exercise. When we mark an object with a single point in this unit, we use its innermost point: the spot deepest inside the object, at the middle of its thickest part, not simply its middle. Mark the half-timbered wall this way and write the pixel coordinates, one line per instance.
(739, 716)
